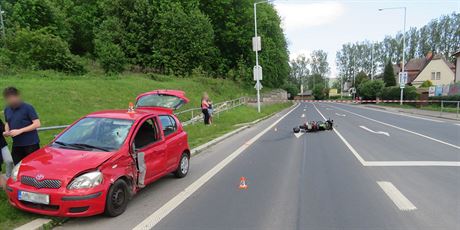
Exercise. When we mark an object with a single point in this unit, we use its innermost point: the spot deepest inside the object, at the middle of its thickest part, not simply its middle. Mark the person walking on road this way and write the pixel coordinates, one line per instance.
(21, 124)
(205, 108)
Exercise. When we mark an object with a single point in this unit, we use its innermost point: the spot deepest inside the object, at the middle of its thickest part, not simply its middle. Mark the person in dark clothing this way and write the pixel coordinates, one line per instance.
(205, 107)
(21, 124)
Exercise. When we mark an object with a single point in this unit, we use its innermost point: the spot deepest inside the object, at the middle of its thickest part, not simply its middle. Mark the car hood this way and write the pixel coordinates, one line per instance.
(62, 164)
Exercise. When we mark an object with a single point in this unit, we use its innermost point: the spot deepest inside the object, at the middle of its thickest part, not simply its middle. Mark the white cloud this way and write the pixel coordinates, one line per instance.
(299, 16)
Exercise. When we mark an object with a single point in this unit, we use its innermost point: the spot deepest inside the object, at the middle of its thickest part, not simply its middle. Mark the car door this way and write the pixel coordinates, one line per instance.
(150, 149)
(172, 141)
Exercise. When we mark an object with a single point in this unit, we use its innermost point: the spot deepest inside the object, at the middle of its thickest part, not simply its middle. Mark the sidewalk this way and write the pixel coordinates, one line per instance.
(446, 115)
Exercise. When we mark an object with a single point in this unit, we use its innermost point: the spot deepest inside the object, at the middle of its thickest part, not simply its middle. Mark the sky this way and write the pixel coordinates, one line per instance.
(311, 25)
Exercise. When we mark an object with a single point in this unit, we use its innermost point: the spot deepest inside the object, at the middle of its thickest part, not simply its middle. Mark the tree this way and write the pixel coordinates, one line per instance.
(360, 78)
(299, 70)
(370, 90)
(426, 84)
(318, 63)
(389, 75)
(318, 92)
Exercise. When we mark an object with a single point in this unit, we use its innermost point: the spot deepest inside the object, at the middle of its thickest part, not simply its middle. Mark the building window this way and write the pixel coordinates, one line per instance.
(433, 76)
(438, 75)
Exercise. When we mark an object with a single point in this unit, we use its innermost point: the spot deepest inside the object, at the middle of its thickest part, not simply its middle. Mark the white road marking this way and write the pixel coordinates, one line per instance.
(405, 130)
(396, 196)
(391, 163)
(341, 115)
(457, 124)
(328, 109)
(303, 115)
(304, 110)
(376, 132)
(169, 206)
(299, 134)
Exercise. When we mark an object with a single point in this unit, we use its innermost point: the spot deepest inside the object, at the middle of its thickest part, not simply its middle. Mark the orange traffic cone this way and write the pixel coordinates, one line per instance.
(243, 184)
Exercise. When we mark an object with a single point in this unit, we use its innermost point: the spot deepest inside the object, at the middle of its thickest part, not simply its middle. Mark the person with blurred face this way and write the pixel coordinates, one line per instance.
(21, 124)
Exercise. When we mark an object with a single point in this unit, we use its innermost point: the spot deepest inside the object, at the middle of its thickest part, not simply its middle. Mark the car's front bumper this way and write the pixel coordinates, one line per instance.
(62, 202)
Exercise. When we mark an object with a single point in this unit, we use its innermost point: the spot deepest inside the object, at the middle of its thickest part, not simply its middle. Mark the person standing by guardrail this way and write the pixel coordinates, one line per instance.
(205, 108)
(21, 124)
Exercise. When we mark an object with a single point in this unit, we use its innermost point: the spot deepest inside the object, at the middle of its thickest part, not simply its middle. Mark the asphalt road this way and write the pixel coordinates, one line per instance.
(398, 172)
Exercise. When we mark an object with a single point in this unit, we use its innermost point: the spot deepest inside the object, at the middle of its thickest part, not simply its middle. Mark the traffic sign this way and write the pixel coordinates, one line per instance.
(256, 44)
(402, 79)
(258, 86)
(257, 71)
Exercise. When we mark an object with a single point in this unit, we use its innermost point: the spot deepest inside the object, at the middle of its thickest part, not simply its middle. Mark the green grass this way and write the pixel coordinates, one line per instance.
(60, 99)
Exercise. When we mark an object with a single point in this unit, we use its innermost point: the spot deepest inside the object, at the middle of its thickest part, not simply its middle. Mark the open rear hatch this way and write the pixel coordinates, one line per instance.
(163, 98)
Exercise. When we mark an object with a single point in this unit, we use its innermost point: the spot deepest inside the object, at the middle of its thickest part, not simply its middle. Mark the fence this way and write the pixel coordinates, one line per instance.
(190, 115)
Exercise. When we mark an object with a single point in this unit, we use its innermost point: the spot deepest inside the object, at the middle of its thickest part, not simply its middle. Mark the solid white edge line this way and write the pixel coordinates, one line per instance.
(169, 206)
(396, 196)
(390, 163)
(355, 153)
(402, 129)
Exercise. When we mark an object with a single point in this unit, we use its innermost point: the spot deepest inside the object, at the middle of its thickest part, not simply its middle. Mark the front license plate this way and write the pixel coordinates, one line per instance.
(34, 197)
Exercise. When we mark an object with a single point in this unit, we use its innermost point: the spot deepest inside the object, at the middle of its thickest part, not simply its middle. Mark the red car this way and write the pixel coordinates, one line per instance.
(96, 164)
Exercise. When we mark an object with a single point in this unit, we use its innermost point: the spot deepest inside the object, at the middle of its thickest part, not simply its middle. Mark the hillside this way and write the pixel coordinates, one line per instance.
(60, 99)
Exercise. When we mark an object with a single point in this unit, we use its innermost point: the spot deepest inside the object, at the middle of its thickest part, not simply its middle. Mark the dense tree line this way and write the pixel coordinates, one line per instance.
(440, 36)
(177, 37)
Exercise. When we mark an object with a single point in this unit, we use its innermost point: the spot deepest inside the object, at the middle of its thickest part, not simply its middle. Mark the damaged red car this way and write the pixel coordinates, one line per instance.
(100, 161)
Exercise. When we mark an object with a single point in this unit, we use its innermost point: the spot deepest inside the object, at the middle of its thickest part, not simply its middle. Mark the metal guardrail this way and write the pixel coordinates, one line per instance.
(191, 115)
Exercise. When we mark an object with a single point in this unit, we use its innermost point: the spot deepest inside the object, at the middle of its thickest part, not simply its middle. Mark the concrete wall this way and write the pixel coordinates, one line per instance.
(438, 65)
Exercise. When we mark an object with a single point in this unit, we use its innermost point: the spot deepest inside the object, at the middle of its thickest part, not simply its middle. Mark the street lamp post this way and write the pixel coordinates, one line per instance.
(404, 48)
(257, 48)
(1, 22)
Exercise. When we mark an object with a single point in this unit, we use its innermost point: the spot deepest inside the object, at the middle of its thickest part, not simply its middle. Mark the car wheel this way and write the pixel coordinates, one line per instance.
(183, 167)
(117, 198)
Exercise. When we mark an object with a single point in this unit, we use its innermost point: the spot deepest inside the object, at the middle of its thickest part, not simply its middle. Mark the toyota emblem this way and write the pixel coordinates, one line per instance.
(39, 177)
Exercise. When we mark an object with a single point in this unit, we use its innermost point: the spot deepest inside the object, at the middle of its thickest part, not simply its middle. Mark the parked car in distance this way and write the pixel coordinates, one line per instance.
(100, 161)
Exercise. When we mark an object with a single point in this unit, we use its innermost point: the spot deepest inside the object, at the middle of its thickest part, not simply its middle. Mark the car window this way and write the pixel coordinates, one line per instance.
(103, 133)
(169, 124)
(146, 135)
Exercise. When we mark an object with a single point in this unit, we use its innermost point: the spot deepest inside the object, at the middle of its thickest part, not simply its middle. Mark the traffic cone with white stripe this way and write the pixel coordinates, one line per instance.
(243, 184)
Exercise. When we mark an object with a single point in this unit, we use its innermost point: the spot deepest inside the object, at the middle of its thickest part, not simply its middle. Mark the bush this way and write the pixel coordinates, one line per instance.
(426, 84)
(40, 50)
(446, 98)
(111, 57)
(318, 92)
(394, 93)
(370, 90)
(291, 88)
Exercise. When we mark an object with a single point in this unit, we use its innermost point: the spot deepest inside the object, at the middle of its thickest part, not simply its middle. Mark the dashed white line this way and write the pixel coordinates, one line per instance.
(169, 206)
(396, 196)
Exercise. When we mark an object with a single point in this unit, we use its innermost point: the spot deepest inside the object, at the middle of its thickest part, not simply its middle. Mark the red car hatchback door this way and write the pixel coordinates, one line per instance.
(150, 150)
(172, 139)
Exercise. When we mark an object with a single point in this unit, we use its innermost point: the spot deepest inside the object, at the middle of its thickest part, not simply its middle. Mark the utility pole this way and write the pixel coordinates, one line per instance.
(402, 74)
(256, 41)
(2, 24)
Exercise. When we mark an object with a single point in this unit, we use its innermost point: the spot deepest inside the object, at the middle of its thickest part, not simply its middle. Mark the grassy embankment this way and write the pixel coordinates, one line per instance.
(60, 99)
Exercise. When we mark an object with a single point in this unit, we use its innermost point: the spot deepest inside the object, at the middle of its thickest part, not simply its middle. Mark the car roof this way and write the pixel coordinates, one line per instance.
(124, 114)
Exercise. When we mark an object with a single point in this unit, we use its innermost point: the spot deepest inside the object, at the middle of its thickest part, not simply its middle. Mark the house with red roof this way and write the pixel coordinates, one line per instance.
(432, 67)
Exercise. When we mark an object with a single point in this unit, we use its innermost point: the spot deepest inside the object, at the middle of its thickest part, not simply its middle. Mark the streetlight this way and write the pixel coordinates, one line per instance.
(257, 47)
(1, 21)
(401, 83)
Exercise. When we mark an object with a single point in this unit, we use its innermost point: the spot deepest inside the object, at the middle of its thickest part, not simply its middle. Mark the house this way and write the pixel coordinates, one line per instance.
(432, 67)
(306, 95)
(457, 66)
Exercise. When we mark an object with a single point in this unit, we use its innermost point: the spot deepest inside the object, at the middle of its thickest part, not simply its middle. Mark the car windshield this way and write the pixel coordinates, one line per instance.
(97, 134)
(159, 100)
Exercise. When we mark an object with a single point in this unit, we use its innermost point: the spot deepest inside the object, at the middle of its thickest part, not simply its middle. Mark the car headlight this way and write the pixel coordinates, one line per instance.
(15, 172)
(87, 180)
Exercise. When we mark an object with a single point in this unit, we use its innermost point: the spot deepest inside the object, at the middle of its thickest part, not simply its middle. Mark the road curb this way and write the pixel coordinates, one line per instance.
(412, 113)
(36, 224)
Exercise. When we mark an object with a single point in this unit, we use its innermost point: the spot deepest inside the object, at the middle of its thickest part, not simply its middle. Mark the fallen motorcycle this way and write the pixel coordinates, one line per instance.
(313, 126)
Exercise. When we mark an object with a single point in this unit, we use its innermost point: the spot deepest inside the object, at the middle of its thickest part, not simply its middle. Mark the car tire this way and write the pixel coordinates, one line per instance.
(183, 167)
(296, 130)
(117, 198)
